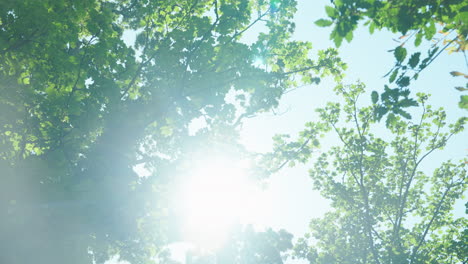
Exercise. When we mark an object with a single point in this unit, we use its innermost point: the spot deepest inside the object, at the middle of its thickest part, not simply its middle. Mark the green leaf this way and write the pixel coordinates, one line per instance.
(380, 112)
(400, 54)
(418, 39)
(323, 22)
(403, 113)
(375, 97)
(403, 81)
(391, 120)
(393, 75)
(349, 36)
(338, 40)
(430, 30)
(414, 59)
(372, 28)
(331, 12)
(463, 102)
(408, 102)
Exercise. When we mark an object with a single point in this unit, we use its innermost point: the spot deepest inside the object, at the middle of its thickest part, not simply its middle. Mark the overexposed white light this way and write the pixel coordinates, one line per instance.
(216, 195)
(179, 251)
(115, 259)
(196, 124)
(258, 62)
(141, 171)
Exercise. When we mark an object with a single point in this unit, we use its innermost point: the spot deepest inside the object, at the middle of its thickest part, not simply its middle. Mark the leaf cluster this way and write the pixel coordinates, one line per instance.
(82, 104)
(442, 22)
(385, 208)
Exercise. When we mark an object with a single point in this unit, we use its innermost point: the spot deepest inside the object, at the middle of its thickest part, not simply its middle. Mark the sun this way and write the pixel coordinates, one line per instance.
(216, 195)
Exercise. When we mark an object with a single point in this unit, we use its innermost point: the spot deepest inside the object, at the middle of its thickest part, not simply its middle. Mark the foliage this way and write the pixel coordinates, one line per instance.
(385, 209)
(442, 22)
(81, 107)
(247, 246)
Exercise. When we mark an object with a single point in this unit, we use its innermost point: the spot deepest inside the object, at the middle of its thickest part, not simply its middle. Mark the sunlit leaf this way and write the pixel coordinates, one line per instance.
(323, 23)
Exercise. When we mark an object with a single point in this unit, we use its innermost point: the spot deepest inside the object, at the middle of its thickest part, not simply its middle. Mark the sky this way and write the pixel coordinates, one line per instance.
(291, 201)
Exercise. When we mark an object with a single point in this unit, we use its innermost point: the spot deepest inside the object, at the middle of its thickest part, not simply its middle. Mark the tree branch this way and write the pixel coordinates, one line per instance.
(436, 212)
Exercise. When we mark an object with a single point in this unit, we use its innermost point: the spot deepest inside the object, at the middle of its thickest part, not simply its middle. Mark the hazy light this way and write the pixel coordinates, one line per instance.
(215, 196)
(258, 62)
(196, 124)
(180, 250)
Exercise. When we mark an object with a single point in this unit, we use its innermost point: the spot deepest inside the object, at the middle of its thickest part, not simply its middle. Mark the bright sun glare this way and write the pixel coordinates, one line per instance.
(215, 196)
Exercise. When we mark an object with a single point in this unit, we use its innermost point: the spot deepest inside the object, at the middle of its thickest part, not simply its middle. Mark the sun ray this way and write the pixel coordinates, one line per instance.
(216, 195)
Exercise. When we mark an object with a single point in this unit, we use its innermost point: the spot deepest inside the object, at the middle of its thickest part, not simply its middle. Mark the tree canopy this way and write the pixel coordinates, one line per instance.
(82, 106)
(93, 92)
(444, 23)
(385, 208)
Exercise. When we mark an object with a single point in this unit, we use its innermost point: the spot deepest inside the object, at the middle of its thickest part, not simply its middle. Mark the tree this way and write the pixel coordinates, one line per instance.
(444, 23)
(81, 107)
(385, 209)
(248, 246)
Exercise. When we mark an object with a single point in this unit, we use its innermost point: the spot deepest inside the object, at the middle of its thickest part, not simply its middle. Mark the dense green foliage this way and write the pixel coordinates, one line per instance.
(90, 90)
(81, 106)
(443, 22)
(385, 208)
(397, 16)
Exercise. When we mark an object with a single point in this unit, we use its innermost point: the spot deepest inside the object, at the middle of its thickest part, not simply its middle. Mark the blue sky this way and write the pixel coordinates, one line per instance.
(293, 201)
